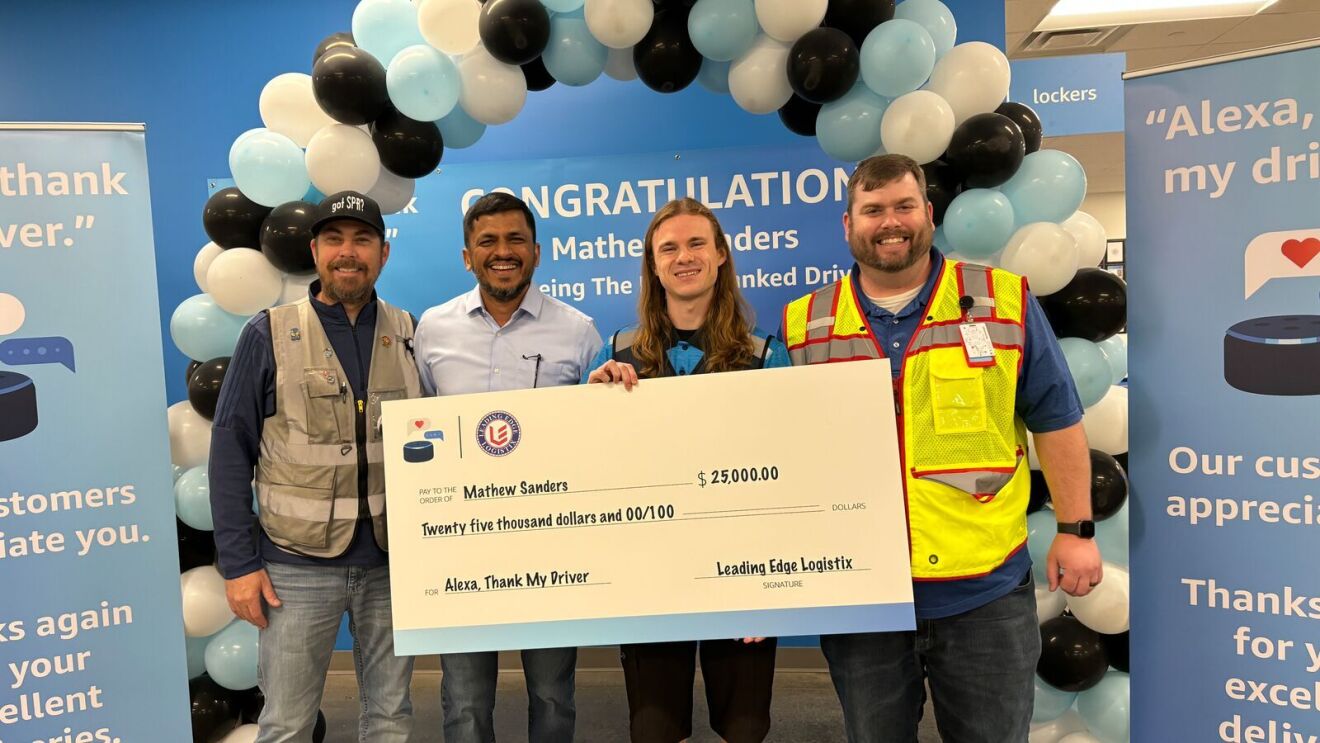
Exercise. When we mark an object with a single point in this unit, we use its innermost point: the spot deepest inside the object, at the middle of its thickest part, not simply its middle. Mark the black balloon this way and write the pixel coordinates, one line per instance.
(196, 547)
(665, 58)
(407, 147)
(339, 39)
(1072, 656)
(987, 149)
(192, 367)
(214, 710)
(537, 76)
(1027, 121)
(799, 116)
(1040, 492)
(1092, 306)
(823, 65)
(286, 237)
(232, 220)
(204, 386)
(943, 183)
(1116, 647)
(349, 85)
(1109, 486)
(318, 732)
(858, 18)
(514, 31)
(1122, 461)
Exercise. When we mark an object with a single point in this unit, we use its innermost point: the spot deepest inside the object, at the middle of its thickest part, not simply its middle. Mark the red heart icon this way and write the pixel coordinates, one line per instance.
(1301, 251)
(419, 424)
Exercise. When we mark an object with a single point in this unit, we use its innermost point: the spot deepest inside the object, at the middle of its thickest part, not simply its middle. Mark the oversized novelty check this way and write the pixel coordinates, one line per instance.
(746, 504)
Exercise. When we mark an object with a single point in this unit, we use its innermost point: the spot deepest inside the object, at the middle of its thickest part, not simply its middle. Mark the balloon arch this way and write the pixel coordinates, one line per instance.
(862, 77)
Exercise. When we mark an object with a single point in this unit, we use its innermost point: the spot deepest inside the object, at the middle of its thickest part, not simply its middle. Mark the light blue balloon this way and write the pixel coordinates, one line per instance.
(385, 27)
(1111, 536)
(196, 648)
(722, 29)
(897, 57)
(978, 222)
(1041, 528)
(313, 196)
(459, 130)
(231, 656)
(1050, 702)
(192, 499)
(714, 76)
(202, 330)
(423, 83)
(573, 56)
(1106, 708)
(1048, 187)
(935, 17)
(268, 167)
(849, 129)
(1090, 371)
(562, 6)
(941, 240)
(1115, 351)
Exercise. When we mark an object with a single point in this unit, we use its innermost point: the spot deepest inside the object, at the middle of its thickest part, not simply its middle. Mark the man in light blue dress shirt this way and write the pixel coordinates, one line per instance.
(504, 335)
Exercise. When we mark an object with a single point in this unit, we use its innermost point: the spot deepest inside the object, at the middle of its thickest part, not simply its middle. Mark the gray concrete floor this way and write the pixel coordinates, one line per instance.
(805, 709)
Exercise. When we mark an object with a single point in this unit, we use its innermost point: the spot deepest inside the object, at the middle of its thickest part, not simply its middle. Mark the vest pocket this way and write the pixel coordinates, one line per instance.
(295, 515)
(323, 389)
(957, 395)
(982, 482)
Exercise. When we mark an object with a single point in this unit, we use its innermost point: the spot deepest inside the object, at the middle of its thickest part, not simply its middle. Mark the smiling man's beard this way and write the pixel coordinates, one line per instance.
(863, 249)
(500, 294)
(347, 294)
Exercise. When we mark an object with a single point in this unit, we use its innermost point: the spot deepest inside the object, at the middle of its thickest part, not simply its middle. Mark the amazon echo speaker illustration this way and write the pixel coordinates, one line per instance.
(18, 405)
(1277, 355)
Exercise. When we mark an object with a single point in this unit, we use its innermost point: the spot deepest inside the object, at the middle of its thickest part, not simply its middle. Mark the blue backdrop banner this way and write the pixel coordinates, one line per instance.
(1223, 174)
(1072, 95)
(91, 637)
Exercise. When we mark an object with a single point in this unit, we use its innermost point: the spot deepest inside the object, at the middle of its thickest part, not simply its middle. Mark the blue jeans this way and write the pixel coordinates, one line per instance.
(981, 665)
(467, 693)
(300, 637)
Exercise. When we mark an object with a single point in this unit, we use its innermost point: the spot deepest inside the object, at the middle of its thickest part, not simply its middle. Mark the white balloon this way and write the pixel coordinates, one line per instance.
(288, 106)
(243, 282)
(205, 608)
(1043, 252)
(492, 92)
(1049, 604)
(919, 125)
(619, 24)
(1080, 737)
(203, 261)
(295, 287)
(758, 80)
(973, 78)
(392, 192)
(450, 25)
(1090, 237)
(1106, 422)
(620, 66)
(1105, 608)
(241, 734)
(788, 20)
(190, 436)
(342, 158)
(1055, 730)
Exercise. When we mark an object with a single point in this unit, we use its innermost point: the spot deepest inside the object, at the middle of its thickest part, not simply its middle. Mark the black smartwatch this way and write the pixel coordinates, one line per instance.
(1083, 529)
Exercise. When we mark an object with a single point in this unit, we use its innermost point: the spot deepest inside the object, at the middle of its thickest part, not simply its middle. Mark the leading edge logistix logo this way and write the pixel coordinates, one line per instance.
(498, 433)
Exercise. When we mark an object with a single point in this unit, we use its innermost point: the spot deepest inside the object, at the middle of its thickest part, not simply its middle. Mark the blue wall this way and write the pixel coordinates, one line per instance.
(193, 72)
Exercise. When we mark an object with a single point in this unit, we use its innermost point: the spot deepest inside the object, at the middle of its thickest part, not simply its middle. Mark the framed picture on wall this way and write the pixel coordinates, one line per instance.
(1114, 251)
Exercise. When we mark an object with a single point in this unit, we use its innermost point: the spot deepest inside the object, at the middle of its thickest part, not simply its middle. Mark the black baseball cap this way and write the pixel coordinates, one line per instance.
(348, 205)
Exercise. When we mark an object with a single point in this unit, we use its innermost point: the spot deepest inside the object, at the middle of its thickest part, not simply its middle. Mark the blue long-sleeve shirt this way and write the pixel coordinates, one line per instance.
(247, 399)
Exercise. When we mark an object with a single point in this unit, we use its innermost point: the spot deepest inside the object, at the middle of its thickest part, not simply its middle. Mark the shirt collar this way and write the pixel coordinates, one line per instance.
(916, 305)
(532, 303)
(334, 314)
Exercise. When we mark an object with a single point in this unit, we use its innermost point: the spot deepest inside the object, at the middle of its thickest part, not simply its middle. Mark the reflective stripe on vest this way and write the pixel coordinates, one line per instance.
(965, 482)
(307, 474)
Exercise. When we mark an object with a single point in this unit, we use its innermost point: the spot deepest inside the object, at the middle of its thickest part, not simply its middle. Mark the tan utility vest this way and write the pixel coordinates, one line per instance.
(965, 479)
(307, 476)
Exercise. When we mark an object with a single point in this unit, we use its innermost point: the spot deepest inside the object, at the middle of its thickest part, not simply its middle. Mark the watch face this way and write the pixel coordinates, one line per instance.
(1086, 529)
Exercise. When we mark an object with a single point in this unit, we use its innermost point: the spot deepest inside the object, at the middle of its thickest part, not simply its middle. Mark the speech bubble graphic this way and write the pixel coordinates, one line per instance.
(12, 314)
(417, 425)
(49, 350)
(1281, 255)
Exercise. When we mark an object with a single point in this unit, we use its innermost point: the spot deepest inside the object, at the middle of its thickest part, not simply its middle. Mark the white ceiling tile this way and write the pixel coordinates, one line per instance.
(1274, 29)
(1183, 33)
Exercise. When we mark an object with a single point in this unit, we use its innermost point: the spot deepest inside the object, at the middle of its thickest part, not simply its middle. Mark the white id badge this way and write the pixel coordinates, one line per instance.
(978, 347)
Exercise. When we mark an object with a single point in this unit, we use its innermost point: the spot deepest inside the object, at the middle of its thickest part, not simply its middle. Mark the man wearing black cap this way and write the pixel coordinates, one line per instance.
(299, 414)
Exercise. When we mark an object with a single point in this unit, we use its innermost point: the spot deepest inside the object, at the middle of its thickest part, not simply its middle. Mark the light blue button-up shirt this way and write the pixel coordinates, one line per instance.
(460, 349)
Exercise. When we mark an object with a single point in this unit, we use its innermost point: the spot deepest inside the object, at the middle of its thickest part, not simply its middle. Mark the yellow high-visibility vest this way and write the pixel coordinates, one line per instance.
(965, 477)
